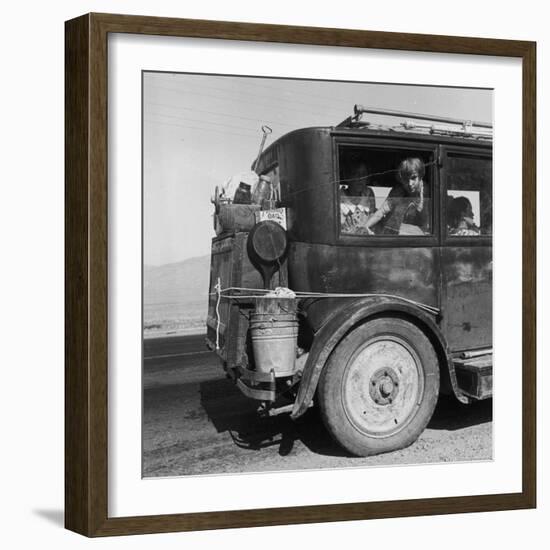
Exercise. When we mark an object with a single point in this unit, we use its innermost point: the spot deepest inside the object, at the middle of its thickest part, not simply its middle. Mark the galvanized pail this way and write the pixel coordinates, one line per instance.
(274, 337)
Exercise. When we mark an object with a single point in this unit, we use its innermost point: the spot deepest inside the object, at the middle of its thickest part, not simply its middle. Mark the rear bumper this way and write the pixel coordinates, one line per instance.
(256, 385)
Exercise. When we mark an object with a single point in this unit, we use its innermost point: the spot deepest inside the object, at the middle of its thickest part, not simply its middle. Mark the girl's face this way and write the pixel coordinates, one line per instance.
(413, 182)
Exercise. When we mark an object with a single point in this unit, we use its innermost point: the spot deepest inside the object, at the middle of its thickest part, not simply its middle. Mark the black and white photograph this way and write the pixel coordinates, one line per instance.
(317, 274)
(260, 260)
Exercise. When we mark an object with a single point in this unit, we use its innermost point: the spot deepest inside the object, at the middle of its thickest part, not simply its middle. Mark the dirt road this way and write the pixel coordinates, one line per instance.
(197, 422)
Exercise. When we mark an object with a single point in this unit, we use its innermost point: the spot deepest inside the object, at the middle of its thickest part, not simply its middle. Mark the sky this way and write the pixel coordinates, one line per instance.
(198, 130)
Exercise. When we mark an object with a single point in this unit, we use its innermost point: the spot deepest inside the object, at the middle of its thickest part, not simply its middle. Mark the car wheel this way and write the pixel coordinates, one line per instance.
(379, 387)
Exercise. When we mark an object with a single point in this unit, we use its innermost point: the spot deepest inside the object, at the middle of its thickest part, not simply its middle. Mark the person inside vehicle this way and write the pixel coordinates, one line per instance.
(461, 218)
(403, 210)
(357, 202)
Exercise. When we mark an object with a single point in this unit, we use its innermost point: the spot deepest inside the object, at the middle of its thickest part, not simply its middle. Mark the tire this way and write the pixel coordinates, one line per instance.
(379, 387)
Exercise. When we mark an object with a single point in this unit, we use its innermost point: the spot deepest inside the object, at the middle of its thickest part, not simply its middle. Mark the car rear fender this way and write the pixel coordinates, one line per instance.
(347, 318)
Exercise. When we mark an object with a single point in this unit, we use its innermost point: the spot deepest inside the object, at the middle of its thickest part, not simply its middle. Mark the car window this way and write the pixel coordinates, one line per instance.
(385, 192)
(469, 210)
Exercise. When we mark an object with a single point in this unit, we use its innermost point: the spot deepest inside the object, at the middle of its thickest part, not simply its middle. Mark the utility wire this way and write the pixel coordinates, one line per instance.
(221, 134)
(271, 88)
(205, 122)
(246, 101)
(258, 120)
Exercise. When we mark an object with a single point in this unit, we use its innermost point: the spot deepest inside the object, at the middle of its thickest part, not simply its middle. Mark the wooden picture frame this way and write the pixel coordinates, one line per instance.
(86, 295)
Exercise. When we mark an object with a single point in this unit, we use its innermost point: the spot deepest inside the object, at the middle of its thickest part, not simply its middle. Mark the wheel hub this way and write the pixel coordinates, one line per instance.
(384, 386)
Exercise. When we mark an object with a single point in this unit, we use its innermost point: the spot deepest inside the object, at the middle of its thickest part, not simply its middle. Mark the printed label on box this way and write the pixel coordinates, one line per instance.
(278, 215)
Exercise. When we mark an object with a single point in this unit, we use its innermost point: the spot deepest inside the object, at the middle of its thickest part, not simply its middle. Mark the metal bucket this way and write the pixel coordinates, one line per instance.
(274, 338)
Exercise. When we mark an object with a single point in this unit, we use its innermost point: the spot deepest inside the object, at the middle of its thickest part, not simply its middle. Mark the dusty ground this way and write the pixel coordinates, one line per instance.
(197, 422)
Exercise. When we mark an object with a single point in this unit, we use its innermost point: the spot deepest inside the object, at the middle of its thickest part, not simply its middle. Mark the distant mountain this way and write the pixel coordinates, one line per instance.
(175, 296)
(177, 283)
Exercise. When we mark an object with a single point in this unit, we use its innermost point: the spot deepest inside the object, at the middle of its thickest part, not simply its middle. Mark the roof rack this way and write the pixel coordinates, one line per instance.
(467, 128)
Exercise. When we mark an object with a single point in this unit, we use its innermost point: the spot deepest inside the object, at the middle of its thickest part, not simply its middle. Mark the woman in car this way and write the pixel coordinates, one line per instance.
(461, 218)
(357, 202)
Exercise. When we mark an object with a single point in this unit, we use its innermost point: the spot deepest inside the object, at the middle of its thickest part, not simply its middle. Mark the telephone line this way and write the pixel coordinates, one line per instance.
(206, 122)
(240, 92)
(251, 136)
(274, 123)
(304, 94)
(202, 94)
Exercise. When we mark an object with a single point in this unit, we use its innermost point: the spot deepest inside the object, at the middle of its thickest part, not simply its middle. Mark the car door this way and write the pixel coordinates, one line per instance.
(466, 252)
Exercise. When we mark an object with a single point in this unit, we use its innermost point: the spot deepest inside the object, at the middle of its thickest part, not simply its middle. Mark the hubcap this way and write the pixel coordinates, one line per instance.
(383, 386)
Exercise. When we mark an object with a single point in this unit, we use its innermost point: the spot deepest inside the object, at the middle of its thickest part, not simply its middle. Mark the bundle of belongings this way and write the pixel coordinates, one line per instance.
(238, 188)
(239, 200)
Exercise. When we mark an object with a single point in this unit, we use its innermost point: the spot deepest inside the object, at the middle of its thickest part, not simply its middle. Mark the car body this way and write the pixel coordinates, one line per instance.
(386, 320)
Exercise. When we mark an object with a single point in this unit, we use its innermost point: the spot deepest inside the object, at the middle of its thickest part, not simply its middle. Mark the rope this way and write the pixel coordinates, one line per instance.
(221, 293)
(230, 288)
(342, 181)
(218, 288)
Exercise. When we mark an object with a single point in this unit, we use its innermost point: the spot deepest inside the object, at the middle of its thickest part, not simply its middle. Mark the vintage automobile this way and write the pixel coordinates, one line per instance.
(388, 316)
